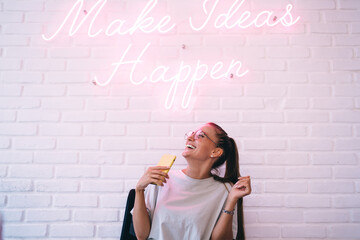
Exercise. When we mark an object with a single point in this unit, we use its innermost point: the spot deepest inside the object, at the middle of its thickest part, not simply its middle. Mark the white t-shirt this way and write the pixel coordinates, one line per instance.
(186, 208)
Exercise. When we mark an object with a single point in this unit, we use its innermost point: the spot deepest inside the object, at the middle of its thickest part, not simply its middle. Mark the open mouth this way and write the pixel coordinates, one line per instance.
(190, 146)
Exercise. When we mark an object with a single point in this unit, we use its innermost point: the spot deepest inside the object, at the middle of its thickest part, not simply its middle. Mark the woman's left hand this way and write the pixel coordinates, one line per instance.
(241, 188)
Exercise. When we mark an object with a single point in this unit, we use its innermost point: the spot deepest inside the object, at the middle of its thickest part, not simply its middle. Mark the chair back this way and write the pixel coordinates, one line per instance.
(127, 231)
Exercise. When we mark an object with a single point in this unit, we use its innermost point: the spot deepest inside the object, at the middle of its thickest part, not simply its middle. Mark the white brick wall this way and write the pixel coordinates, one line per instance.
(70, 150)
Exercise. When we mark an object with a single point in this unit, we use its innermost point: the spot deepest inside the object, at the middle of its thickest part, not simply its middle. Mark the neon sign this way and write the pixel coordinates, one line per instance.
(142, 23)
(244, 20)
(146, 24)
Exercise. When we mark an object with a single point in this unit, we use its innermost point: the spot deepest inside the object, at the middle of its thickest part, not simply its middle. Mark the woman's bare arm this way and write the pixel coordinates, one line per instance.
(141, 218)
(223, 227)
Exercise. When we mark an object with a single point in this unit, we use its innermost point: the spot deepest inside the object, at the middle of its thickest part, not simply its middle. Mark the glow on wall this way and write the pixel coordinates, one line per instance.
(211, 15)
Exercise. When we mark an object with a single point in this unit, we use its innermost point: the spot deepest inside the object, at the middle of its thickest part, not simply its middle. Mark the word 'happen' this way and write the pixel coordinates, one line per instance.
(185, 73)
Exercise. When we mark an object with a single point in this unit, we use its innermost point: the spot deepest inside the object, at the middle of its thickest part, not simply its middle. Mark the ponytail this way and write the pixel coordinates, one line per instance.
(230, 156)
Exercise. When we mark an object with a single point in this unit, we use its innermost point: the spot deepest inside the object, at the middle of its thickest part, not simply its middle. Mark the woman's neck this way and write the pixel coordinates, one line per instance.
(197, 172)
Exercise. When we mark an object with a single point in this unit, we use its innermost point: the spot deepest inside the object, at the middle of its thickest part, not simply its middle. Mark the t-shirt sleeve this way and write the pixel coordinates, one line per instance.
(150, 199)
(151, 193)
(235, 223)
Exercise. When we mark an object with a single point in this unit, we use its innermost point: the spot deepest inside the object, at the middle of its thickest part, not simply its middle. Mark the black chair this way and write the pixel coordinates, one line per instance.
(127, 231)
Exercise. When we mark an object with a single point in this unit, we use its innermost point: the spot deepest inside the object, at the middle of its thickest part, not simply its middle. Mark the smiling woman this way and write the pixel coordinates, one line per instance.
(194, 203)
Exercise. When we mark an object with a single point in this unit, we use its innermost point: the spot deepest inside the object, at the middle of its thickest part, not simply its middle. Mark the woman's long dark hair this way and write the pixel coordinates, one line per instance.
(230, 156)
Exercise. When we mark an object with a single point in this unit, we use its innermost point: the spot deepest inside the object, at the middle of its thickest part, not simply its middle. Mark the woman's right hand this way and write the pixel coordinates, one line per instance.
(153, 175)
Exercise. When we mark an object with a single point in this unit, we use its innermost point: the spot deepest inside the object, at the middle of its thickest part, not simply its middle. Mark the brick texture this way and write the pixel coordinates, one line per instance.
(70, 149)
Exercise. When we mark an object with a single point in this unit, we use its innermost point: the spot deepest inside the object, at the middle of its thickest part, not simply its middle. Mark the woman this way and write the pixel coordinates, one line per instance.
(193, 203)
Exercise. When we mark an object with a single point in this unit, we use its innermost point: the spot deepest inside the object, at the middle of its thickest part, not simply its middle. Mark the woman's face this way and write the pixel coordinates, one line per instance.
(201, 143)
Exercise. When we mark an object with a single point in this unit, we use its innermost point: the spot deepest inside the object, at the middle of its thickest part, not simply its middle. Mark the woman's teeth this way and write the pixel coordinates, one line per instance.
(190, 146)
